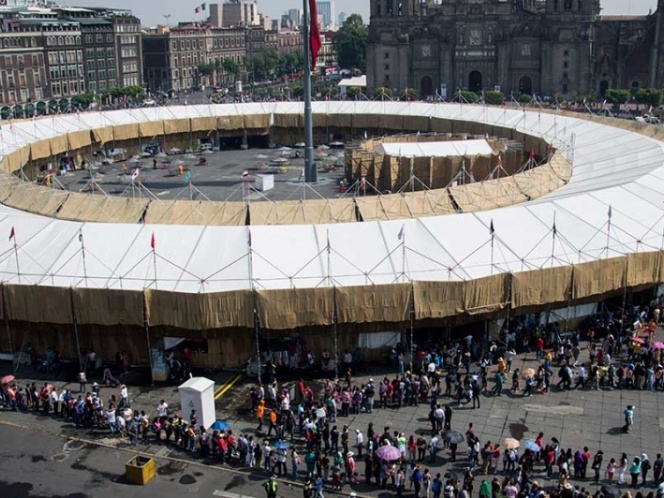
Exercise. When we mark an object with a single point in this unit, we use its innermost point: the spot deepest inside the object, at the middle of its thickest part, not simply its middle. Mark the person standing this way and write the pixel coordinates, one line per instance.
(597, 464)
(657, 467)
(271, 487)
(417, 480)
(645, 467)
(629, 418)
(635, 471)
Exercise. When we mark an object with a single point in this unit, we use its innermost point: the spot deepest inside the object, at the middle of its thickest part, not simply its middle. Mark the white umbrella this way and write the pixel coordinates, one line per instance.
(175, 150)
(208, 151)
(336, 144)
(284, 149)
(323, 147)
(300, 145)
(279, 160)
(189, 156)
(261, 156)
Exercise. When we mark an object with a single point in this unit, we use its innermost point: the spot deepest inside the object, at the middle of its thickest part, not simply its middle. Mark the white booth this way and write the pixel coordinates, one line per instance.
(264, 182)
(198, 394)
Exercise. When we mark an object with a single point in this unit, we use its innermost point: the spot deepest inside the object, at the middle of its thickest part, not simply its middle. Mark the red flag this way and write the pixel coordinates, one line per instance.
(153, 242)
(532, 153)
(314, 33)
(12, 234)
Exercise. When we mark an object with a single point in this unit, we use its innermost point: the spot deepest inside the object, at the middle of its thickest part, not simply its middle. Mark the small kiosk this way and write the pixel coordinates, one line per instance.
(198, 394)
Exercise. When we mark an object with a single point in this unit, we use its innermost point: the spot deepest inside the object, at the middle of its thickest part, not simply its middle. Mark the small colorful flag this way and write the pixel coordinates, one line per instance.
(402, 232)
(186, 178)
(249, 237)
(80, 235)
(532, 153)
(134, 175)
(245, 174)
(153, 242)
(555, 230)
(492, 230)
(200, 8)
(610, 213)
(12, 234)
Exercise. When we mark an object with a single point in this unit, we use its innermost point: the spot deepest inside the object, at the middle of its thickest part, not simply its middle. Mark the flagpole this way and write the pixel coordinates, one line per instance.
(154, 260)
(310, 173)
(255, 310)
(608, 232)
(492, 230)
(553, 238)
(334, 310)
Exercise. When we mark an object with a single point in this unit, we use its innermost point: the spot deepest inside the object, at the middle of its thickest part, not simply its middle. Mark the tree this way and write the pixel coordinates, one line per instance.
(205, 69)
(649, 96)
(466, 96)
(353, 92)
(382, 93)
(83, 100)
(408, 94)
(617, 96)
(350, 43)
(230, 67)
(494, 98)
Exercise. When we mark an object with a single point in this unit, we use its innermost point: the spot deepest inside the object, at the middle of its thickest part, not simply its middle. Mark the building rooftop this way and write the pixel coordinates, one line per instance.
(622, 18)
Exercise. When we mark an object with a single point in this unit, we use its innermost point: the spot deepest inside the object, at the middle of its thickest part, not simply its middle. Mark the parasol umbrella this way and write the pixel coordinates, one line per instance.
(219, 425)
(452, 437)
(300, 145)
(638, 340)
(658, 345)
(279, 160)
(280, 445)
(261, 156)
(175, 150)
(388, 453)
(510, 443)
(7, 379)
(528, 373)
(531, 445)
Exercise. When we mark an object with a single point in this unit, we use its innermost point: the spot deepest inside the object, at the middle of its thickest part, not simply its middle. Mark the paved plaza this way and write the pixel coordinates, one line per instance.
(594, 418)
(219, 179)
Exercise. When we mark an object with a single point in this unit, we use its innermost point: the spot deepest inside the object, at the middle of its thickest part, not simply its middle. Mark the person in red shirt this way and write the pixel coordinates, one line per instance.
(586, 460)
(539, 347)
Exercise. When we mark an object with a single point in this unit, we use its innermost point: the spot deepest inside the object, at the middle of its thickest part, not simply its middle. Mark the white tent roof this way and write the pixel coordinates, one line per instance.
(613, 170)
(438, 149)
(360, 81)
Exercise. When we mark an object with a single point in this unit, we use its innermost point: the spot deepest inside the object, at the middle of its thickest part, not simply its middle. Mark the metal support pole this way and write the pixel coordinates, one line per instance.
(310, 173)
(75, 325)
(412, 343)
(146, 326)
(9, 334)
(258, 346)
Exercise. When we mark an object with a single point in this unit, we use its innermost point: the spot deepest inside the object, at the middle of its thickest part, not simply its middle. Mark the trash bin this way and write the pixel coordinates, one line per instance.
(139, 470)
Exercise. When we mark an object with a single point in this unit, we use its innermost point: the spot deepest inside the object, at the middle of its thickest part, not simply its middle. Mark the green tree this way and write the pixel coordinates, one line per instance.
(83, 100)
(525, 98)
(297, 91)
(649, 96)
(494, 98)
(230, 67)
(466, 95)
(350, 43)
(382, 93)
(353, 92)
(205, 69)
(408, 94)
(617, 96)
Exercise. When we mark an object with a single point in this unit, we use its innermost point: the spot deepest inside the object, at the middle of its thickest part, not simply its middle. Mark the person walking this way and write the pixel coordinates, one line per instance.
(271, 487)
(657, 467)
(645, 467)
(629, 418)
(597, 464)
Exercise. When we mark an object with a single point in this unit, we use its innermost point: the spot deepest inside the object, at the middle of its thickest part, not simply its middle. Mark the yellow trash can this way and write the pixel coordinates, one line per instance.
(139, 470)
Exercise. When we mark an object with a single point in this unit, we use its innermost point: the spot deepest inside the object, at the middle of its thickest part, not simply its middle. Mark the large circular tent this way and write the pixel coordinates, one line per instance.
(126, 273)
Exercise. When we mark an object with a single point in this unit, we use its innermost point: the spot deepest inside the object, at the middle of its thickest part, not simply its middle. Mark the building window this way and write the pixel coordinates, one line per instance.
(387, 55)
(387, 67)
(109, 38)
(565, 65)
(88, 38)
(565, 88)
(566, 52)
(565, 76)
(567, 5)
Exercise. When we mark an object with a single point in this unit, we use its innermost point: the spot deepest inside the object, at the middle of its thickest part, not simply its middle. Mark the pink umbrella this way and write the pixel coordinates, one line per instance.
(658, 345)
(639, 340)
(388, 453)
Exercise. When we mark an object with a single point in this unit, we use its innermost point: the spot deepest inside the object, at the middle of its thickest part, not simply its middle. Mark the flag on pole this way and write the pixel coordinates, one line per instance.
(314, 33)
(186, 178)
(245, 174)
(200, 8)
(532, 153)
(491, 228)
(249, 237)
(402, 232)
(80, 235)
(555, 230)
(153, 242)
(610, 213)
(12, 234)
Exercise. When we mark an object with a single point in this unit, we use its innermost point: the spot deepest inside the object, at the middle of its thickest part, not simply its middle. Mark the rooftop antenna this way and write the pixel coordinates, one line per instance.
(167, 17)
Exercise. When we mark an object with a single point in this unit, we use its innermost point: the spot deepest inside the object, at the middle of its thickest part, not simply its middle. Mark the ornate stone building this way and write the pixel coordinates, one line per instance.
(518, 46)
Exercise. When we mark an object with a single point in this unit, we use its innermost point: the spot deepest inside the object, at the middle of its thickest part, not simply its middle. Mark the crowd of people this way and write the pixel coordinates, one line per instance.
(311, 438)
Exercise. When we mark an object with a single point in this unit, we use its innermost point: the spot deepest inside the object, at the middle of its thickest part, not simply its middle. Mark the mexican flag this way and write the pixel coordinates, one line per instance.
(200, 8)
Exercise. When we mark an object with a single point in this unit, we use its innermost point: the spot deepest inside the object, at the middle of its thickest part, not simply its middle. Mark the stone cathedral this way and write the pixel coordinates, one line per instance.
(542, 47)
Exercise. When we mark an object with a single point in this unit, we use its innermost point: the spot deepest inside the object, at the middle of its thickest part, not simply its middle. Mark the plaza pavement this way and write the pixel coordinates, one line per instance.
(577, 418)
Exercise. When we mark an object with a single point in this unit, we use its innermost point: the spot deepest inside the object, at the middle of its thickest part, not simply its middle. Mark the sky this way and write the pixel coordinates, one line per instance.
(151, 12)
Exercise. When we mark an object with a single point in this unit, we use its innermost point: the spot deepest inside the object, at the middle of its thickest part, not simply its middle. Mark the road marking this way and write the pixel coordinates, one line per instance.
(225, 388)
(227, 494)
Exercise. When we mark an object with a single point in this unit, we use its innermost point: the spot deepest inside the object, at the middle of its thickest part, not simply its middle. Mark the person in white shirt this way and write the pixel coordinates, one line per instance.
(359, 441)
(124, 394)
(111, 420)
(55, 401)
(162, 409)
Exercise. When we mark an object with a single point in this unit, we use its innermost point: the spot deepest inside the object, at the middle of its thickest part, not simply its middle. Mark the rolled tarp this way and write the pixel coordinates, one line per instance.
(40, 150)
(59, 144)
(103, 135)
(485, 295)
(78, 139)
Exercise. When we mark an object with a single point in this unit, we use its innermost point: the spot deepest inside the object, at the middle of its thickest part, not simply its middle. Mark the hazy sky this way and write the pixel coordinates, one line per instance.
(152, 11)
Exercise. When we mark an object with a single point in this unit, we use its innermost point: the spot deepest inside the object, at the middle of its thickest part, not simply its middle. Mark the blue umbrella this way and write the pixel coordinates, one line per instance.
(532, 446)
(220, 425)
(280, 445)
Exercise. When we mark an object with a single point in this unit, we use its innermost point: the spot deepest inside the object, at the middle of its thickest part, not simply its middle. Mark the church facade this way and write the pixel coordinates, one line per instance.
(542, 47)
